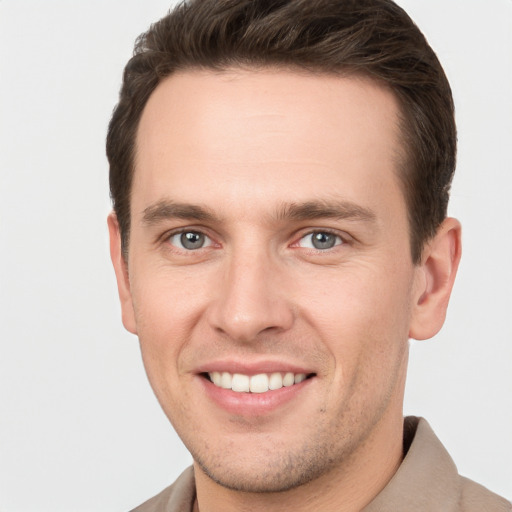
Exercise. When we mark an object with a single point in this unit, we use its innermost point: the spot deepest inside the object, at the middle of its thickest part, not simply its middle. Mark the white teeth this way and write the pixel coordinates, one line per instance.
(275, 381)
(300, 377)
(226, 380)
(288, 379)
(216, 378)
(260, 383)
(240, 383)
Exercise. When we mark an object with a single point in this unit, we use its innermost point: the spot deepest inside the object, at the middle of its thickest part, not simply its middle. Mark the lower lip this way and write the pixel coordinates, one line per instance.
(252, 404)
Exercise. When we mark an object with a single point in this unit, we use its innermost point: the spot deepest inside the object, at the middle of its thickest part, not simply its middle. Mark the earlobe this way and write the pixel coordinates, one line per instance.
(121, 270)
(436, 275)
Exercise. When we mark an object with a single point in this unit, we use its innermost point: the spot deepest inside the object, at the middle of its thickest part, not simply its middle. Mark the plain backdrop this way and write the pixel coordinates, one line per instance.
(80, 429)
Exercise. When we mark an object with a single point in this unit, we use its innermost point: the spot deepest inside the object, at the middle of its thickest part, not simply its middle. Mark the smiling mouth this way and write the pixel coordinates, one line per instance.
(260, 383)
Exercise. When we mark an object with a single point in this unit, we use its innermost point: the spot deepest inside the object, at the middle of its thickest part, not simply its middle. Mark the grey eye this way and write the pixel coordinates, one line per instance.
(190, 240)
(320, 240)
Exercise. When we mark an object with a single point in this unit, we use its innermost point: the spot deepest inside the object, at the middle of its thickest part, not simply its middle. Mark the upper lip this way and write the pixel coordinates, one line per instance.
(252, 367)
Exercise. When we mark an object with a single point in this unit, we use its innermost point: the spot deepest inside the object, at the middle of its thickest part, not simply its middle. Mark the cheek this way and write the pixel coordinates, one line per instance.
(170, 306)
(162, 335)
(357, 297)
(364, 327)
(166, 310)
(167, 302)
(362, 316)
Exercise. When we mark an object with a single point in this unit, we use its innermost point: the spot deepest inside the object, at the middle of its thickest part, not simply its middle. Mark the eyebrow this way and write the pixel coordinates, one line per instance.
(340, 210)
(167, 209)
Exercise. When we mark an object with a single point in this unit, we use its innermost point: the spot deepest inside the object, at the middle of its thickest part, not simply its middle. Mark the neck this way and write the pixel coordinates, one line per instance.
(348, 487)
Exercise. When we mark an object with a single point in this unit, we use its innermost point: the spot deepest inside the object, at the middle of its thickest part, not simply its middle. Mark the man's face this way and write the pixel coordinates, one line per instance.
(269, 237)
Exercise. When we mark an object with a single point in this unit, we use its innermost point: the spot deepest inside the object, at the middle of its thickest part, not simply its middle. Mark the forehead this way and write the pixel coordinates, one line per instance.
(279, 130)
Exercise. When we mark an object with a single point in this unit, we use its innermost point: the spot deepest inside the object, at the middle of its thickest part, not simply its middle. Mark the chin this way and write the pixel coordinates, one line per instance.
(270, 472)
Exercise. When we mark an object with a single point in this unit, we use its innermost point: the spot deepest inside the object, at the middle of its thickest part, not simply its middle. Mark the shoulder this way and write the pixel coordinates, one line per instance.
(465, 494)
(178, 497)
(428, 480)
(476, 498)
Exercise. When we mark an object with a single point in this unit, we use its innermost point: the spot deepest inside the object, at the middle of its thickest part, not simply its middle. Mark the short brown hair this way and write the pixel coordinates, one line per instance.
(375, 38)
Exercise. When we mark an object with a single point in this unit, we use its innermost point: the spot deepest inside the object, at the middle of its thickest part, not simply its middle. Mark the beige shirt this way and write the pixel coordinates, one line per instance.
(426, 481)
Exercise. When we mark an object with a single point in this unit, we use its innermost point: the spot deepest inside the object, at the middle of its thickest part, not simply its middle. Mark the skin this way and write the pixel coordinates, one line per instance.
(248, 147)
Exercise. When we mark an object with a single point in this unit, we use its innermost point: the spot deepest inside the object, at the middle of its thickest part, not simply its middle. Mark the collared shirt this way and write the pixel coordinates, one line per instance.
(426, 481)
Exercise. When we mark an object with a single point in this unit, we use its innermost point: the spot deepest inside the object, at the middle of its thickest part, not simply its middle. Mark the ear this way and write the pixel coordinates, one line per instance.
(436, 275)
(121, 270)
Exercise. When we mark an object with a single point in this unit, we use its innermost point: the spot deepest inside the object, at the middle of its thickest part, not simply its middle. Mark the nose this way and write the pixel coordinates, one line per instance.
(251, 299)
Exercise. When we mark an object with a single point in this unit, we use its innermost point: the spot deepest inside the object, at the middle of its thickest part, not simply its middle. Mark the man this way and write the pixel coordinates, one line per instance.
(280, 175)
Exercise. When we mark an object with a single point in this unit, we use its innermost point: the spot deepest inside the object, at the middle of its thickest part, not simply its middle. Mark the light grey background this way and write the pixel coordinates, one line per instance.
(80, 429)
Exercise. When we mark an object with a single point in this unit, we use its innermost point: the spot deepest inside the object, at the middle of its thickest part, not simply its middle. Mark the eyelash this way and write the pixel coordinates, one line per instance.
(339, 240)
(169, 236)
